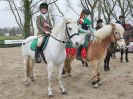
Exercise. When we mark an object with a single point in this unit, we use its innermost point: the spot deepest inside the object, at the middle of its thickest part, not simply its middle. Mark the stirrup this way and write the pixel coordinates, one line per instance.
(38, 60)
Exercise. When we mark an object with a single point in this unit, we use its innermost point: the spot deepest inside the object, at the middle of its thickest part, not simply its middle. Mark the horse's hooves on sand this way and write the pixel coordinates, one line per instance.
(50, 96)
(96, 86)
(64, 93)
(27, 84)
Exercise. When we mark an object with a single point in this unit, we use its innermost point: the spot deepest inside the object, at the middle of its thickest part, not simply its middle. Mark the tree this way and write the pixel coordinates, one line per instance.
(108, 7)
(27, 17)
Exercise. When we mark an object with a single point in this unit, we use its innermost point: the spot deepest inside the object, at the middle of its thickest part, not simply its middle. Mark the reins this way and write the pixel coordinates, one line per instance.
(69, 36)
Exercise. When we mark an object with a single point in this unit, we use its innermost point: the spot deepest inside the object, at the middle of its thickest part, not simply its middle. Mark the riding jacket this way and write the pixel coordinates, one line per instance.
(41, 22)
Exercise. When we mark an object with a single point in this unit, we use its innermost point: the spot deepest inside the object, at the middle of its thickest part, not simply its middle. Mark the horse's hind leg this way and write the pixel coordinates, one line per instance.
(50, 69)
(27, 69)
(126, 55)
(31, 63)
(60, 68)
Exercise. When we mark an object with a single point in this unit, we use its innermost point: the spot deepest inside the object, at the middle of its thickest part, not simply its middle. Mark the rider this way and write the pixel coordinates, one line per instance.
(121, 21)
(99, 24)
(44, 27)
(84, 27)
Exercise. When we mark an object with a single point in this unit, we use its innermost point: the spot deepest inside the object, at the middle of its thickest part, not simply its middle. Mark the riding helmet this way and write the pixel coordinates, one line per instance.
(99, 21)
(86, 11)
(44, 5)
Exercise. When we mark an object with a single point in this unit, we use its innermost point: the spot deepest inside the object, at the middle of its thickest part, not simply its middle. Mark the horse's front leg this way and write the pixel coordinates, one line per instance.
(61, 84)
(121, 59)
(95, 74)
(50, 69)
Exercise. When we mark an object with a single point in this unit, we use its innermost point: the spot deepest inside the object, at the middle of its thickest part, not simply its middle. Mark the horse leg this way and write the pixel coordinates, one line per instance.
(27, 69)
(50, 68)
(108, 60)
(31, 63)
(95, 74)
(126, 55)
(121, 59)
(61, 85)
(105, 63)
(66, 65)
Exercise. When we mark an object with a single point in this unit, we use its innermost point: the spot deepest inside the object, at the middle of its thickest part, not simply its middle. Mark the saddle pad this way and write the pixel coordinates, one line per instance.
(34, 43)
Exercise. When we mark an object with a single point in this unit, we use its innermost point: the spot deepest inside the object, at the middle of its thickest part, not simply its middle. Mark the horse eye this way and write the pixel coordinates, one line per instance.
(116, 32)
(70, 28)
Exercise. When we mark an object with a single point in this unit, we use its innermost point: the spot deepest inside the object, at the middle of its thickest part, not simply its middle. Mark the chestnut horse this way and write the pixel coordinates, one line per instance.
(97, 48)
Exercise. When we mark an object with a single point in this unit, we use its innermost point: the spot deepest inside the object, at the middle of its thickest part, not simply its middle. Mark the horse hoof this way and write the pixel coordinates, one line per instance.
(64, 93)
(50, 96)
(27, 84)
(95, 86)
(99, 83)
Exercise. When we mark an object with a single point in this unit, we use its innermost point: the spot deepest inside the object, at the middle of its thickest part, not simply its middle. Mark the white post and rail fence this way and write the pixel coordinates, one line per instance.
(11, 43)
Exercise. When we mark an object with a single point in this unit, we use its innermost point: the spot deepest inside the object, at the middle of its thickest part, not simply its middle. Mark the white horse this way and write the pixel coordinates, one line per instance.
(54, 52)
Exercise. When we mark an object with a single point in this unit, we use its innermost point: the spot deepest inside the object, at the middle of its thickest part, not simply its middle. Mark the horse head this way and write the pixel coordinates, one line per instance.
(117, 34)
(71, 30)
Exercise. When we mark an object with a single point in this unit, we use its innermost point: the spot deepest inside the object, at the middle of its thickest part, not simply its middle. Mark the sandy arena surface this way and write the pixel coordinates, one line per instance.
(116, 84)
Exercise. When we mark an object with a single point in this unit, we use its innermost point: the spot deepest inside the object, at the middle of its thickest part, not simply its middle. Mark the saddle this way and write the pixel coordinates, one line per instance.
(33, 46)
(43, 46)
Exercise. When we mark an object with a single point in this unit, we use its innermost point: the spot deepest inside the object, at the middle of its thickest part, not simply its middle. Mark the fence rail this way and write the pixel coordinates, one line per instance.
(10, 43)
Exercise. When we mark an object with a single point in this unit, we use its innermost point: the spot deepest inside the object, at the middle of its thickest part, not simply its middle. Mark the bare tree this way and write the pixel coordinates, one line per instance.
(14, 8)
(108, 9)
(130, 3)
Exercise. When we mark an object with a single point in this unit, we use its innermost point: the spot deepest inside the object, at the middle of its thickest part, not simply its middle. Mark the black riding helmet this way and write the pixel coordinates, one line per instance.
(99, 21)
(86, 11)
(43, 5)
(121, 16)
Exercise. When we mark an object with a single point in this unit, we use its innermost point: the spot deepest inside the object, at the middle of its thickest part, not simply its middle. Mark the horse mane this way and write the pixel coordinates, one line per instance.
(57, 28)
(105, 31)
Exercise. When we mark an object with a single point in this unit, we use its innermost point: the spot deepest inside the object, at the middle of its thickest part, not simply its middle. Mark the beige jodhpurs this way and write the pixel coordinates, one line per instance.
(40, 40)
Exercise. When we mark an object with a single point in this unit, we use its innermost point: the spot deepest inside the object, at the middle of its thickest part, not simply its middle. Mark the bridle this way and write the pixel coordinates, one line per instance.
(113, 31)
(70, 36)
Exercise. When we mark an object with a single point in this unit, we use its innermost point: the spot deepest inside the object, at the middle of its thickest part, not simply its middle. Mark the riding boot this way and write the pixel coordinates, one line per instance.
(37, 55)
(79, 53)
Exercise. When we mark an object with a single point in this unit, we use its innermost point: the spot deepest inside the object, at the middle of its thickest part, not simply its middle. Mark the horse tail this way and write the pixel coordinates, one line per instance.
(28, 62)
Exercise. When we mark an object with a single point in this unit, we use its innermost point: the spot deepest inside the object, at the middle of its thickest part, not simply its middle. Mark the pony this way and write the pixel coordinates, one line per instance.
(54, 52)
(97, 48)
(128, 38)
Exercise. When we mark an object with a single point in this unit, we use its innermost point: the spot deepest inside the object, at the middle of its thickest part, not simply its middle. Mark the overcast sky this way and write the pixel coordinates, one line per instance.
(6, 17)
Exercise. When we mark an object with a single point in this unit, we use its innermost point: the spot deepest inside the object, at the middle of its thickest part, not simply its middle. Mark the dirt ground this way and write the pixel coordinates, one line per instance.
(116, 84)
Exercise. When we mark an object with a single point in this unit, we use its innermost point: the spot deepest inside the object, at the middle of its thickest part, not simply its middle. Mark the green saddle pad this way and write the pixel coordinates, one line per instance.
(34, 43)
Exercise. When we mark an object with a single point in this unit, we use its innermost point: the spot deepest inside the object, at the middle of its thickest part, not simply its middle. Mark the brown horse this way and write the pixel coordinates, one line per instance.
(97, 48)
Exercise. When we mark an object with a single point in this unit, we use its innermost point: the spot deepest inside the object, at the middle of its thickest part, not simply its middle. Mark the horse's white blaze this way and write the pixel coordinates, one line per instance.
(54, 52)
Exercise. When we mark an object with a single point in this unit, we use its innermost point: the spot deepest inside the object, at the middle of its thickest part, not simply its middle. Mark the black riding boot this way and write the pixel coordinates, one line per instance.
(79, 53)
(37, 56)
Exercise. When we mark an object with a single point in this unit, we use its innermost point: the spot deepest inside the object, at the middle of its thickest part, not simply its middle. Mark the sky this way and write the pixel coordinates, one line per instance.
(7, 19)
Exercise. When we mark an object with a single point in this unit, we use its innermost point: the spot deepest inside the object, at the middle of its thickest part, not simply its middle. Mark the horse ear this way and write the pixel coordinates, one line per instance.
(64, 19)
